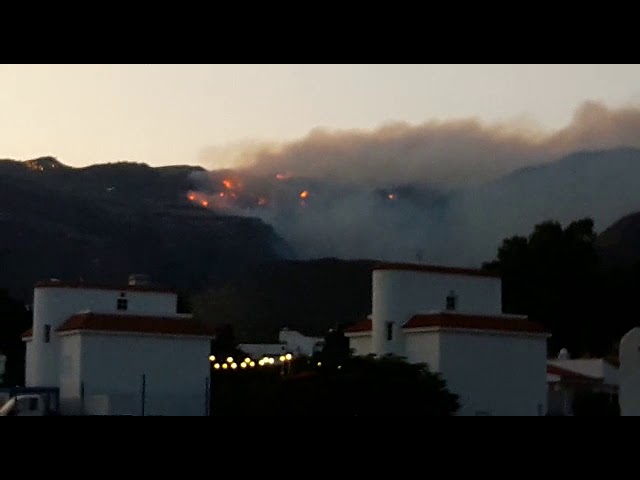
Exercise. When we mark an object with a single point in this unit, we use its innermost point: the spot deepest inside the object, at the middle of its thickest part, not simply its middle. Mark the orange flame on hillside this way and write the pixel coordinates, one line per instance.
(191, 197)
(391, 196)
(304, 194)
(205, 203)
(283, 176)
(228, 184)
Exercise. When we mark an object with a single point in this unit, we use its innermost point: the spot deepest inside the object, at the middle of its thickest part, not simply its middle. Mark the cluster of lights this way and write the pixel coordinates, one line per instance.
(247, 362)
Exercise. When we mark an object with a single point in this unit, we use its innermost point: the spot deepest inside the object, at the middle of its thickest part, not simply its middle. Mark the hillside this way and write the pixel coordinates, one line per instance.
(103, 222)
(311, 296)
(600, 184)
(619, 244)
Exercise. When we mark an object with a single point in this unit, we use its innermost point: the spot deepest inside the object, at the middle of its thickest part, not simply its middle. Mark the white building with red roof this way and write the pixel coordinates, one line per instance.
(452, 320)
(117, 350)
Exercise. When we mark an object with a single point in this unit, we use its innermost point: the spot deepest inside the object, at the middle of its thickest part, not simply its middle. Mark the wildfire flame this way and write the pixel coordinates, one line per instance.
(192, 197)
(221, 194)
(304, 194)
(391, 196)
(262, 201)
(283, 176)
(205, 203)
(228, 184)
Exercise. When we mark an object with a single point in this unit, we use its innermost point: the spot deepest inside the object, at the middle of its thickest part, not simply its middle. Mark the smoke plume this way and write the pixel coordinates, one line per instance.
(407, 193)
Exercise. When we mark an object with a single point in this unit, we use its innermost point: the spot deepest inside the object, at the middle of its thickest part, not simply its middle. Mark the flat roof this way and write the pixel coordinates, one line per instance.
(114, 323)
(416, 267)
(115, 288)
(462, 321)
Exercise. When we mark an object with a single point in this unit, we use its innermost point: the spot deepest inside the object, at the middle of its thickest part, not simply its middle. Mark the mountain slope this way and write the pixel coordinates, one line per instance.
(102, 223)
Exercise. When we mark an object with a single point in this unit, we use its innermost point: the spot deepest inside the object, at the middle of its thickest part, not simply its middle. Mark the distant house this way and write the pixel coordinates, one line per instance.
(567, 378)
(117, 350)
(290, 341)
(452, 320)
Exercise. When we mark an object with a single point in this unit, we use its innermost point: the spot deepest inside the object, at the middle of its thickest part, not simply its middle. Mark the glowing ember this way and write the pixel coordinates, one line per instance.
(262, 201)
(192, 197)
(283, 176)
(304, 194)
(205, 203)
(391, 196)
(228, 184)
(222, 194)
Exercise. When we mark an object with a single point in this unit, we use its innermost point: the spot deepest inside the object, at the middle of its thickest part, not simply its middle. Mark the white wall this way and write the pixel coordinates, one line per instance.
(400, 294)
(360, 343)
(54, 305)
(423, 347)
(299, 344)
(176, 369)
(70, 373)
(500, 374)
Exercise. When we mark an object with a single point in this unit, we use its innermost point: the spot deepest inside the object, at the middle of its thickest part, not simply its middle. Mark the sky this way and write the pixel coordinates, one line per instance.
(180, 114)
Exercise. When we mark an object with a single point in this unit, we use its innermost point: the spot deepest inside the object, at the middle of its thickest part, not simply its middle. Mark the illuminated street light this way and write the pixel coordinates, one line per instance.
(212, 358)
(247, 360)
(319, 364)
(229, 359)
(288, 356)
(252, 364)
(224, 366)
(243, 365)
(216, 366)
(272, 361)
(282, 358)
(234, 365)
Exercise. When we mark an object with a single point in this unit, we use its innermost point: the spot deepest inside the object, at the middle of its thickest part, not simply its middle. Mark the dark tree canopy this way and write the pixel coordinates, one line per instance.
(554, 275)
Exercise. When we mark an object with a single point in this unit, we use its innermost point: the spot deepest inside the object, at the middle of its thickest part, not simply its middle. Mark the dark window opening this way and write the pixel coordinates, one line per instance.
(451, 301)
(389, 331)
(47, 333)
(33, 404)
(122, 304)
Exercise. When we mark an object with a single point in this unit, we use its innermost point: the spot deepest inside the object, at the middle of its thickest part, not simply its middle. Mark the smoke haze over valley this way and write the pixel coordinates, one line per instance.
(440, 192)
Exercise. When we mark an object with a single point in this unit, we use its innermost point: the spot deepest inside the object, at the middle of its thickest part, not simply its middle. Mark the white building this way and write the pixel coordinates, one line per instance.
(289, 341)
(452, 320)
(568, 377)
(117, 350)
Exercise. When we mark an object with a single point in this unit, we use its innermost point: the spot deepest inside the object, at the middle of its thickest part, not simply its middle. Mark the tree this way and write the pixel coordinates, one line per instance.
(386, 386)
(553, 276)
(14, 320)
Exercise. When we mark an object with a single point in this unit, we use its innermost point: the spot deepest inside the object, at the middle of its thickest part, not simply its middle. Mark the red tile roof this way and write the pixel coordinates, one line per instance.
(461, 321)
(362, 326)
(435, 269)
(474, 322)
(135, 324)
(565, 374)
(120, 288)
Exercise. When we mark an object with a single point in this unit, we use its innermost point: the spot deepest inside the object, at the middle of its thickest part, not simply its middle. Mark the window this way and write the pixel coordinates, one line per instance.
(389, 331)
(33, 404)
(47, 333)
(451, 301)
(122, 303)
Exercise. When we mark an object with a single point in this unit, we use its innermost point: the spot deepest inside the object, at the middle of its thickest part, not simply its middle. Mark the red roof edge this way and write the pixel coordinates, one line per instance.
(475, 322)
(362, 326)
(136, 324)
(118, 288)
(471, 272)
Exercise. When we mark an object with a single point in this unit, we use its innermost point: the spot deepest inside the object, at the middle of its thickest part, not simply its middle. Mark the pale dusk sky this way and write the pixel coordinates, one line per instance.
(167, 114)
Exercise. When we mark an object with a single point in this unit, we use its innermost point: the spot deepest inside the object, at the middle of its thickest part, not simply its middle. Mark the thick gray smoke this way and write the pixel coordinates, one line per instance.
(433, 192)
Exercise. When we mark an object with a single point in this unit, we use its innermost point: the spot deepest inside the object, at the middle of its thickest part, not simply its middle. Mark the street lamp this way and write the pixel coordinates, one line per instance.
(212, 358)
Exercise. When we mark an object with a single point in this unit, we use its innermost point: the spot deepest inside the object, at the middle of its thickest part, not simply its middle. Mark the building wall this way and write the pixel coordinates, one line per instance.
(360, 344)
(424, 347)
(495, 374)
(398, 295)
(70, 373)
(299, 344)
(53, 306)
(177, 371)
